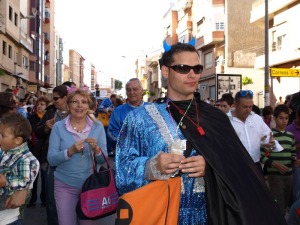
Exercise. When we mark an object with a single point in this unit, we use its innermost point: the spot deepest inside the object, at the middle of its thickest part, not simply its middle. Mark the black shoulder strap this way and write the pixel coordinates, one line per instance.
(189, 148)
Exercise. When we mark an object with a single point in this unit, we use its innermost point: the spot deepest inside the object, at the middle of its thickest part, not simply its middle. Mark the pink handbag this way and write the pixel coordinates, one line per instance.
(99, 195)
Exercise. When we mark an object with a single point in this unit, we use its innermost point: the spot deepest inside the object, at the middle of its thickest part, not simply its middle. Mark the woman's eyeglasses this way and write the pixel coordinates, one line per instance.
(76, 102)
(185, 69)
(244, 93)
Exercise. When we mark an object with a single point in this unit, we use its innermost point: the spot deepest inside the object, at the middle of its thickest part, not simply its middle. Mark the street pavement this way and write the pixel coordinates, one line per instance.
(37, 215)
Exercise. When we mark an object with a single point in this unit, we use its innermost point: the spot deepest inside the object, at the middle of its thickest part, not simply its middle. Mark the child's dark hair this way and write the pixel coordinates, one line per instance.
(279, 109)
(267, 110)
(18, 124)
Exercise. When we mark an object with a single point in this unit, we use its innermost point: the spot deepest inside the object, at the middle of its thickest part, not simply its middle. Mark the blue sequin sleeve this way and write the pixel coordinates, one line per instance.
(135, 148)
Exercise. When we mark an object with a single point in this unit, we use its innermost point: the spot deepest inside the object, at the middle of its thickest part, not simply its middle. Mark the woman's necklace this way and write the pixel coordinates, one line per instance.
(199, 128)
(76, 128)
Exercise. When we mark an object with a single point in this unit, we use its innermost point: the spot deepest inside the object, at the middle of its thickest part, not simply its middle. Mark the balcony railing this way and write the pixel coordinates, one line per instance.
(47, 38)
(47, 16)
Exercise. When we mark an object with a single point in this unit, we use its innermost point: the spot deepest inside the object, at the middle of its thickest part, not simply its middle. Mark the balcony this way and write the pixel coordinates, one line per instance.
(258, 10)
(47, 58)
(47, 16)
(277, 57)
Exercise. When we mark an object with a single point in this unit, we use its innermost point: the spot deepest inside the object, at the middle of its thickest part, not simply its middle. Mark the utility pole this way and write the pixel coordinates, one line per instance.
(267, 86)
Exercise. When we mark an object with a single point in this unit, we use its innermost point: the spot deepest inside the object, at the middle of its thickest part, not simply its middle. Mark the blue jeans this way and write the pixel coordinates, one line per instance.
(50, 200)
(17, 222)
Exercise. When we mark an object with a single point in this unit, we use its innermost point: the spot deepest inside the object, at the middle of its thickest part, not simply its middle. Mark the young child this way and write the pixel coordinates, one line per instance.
(279, 163)
(18, 167)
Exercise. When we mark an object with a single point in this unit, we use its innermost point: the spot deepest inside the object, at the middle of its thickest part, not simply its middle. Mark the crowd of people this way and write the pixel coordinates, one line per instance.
(234, 161)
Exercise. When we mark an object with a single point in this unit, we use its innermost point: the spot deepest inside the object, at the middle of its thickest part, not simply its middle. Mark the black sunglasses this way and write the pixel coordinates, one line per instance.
(56, 98)
(185, 69)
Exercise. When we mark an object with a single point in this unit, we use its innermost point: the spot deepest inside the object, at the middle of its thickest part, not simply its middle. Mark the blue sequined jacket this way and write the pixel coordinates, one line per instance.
(140, 140)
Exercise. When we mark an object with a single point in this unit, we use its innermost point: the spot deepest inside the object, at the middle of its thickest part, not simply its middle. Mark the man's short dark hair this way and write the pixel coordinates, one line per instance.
(69, 83)
(227, 97)
(61, 90)
(239, 95)
(168, 56)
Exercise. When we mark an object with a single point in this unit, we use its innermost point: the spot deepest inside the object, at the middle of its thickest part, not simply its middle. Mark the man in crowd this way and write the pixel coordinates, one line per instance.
(249, 126)
(105, 108)
(55, 112)
(134, 92)
(233, 192)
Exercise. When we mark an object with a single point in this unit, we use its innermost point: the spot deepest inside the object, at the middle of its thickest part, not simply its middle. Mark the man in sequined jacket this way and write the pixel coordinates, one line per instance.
(220, 184)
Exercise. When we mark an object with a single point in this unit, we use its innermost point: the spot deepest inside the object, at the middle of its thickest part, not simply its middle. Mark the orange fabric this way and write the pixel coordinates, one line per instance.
(103, 118)
(156, 203)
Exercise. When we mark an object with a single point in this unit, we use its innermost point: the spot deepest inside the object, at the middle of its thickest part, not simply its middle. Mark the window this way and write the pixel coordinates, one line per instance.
(32, 66)
(280, 42)
(25, 62)
(4, 48)
(16, 19)
(208, 60)
(9, 52)
(200, 24)
(220, 26)
(10, 13)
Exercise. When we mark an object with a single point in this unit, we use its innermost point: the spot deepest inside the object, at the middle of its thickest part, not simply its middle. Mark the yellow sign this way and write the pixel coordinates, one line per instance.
(283, 72)
(32, 88)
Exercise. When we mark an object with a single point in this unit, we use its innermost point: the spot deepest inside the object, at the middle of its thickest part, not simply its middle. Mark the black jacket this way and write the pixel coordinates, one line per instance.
(236, 194)
(44, 135)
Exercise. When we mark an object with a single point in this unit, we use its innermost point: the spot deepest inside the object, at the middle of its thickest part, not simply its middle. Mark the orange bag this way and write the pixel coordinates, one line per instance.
(156, 203)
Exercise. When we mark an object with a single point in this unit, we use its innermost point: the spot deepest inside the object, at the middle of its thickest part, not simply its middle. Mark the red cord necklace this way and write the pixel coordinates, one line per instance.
(182, 112)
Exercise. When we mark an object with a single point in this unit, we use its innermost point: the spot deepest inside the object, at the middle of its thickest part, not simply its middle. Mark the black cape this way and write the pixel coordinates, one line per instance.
(236, 193)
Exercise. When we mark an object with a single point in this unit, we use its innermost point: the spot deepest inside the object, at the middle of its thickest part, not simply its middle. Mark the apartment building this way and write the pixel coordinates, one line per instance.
(49, 45)
(76, 67)
(27, 57)
(230, 37)
(283, 43)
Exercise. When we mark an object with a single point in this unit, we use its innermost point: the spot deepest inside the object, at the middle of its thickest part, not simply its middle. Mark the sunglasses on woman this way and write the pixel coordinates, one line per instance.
(185, 69)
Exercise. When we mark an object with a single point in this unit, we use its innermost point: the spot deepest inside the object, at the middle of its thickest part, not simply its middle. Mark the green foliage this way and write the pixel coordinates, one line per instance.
(246, 80)
(118, 85)
(149, 93)
(2, 72)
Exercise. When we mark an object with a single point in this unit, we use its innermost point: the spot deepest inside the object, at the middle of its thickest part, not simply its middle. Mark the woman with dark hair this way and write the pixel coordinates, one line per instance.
(8, 102)
(267, 115)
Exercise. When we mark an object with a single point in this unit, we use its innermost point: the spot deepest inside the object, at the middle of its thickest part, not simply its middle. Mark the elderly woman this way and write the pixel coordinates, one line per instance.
(73, 143)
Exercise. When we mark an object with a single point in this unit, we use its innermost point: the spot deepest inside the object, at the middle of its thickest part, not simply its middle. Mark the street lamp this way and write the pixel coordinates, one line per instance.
(267, 100)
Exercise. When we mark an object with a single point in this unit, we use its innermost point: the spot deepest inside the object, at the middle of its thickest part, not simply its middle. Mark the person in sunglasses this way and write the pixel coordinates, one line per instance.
(250, 127)
(185, 136)
(56, 111)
